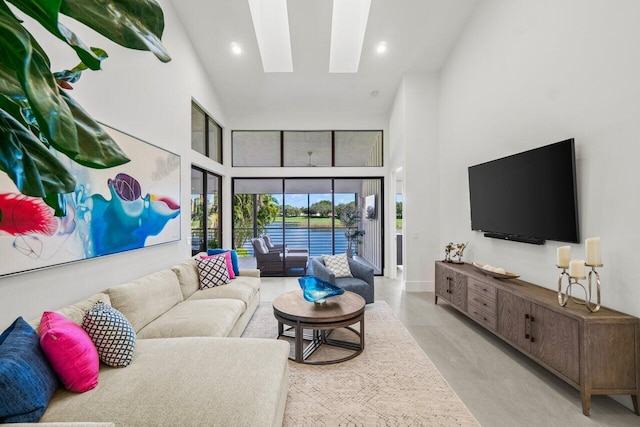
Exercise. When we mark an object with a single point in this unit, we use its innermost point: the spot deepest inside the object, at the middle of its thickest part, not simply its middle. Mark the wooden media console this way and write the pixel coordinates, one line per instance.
(597, 353)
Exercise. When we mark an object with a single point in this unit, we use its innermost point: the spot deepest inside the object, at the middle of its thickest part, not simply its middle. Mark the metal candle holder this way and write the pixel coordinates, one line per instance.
(563, 298)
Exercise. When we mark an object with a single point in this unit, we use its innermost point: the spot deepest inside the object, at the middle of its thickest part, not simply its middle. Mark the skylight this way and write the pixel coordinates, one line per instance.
(348, 27)
(271, 24)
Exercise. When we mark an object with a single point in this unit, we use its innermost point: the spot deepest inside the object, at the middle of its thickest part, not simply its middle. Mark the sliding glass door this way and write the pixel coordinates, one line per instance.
(316, 215)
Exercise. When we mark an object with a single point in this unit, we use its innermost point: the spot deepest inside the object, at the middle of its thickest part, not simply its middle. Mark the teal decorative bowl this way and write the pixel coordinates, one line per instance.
(316, 290)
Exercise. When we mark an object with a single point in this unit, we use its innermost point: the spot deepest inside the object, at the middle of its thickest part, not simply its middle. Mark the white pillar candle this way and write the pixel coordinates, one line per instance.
(576, 268)
(564, 256)
(593, 251)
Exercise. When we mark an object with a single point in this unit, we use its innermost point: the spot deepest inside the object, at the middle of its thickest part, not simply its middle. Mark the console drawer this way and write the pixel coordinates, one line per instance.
(487, 320)
(483, 301)
(482, 288)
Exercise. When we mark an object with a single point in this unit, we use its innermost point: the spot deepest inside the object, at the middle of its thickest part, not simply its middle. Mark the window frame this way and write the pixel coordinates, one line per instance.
(333, 146)
(204, 220)
(207, 143)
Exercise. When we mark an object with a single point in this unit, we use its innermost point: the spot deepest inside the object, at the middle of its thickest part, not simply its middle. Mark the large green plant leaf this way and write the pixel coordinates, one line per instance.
(136, 24)
(31, 166)
(97, 149)
(46, 12)
(74, 74)
(25, 61)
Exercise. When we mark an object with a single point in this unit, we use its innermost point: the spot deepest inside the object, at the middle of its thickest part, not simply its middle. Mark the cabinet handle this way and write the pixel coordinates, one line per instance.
(484, 303)
(526, 316)
(526, 336)
(532, 319)
(532, 339)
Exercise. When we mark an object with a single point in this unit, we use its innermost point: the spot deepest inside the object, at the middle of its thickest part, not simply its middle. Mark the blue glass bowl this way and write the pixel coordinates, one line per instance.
(316, 290)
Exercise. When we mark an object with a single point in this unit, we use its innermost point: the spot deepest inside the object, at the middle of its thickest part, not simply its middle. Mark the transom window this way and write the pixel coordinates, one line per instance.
(307, 148)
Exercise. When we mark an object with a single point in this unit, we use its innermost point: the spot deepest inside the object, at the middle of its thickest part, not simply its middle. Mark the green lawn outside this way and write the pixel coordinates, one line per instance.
(315, 222)
(399, 223)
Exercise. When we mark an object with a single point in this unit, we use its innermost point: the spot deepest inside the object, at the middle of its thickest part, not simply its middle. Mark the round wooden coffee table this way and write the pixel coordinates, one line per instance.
(340, 311)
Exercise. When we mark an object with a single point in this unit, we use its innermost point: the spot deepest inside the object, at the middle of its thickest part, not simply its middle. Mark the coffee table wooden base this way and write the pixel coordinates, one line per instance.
(320, 336)
(342, 311)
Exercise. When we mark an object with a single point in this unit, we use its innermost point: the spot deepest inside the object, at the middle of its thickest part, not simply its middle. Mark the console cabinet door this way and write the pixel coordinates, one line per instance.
(459, 290)
(556, 341)
(513, 319)
(442, 282)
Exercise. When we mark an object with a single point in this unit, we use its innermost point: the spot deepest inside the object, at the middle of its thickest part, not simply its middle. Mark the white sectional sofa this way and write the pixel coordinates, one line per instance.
(187, 368)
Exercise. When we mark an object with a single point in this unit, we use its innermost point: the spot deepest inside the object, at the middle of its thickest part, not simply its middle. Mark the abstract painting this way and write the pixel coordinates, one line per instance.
(111, 210)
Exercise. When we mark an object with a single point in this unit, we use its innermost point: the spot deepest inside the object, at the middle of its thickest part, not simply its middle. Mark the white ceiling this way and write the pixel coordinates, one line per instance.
(419, 35)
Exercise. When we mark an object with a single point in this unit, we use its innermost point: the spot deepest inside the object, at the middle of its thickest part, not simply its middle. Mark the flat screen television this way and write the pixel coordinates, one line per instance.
(529, 197)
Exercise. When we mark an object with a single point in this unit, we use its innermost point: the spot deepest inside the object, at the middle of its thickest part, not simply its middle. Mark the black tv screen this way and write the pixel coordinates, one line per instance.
(530, 196)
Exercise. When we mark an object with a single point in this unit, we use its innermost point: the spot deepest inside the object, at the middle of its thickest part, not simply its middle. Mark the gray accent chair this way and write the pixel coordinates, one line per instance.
(361, 283)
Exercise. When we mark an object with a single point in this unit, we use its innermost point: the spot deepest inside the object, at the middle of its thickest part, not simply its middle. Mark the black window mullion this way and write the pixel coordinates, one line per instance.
(205, 225)
(333, 216)
(333, 148)
(206, 135)
(282, 148)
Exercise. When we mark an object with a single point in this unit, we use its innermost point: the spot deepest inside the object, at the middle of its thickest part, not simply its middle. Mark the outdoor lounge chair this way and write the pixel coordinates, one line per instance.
(278, 247)
(278, 261)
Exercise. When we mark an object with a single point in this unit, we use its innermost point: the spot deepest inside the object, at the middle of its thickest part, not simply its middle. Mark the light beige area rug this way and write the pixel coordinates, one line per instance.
(392, 383)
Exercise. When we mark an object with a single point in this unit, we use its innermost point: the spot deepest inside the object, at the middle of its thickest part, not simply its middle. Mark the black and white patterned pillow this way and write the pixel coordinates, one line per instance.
(111, 333)
(338, 264)
(213, 271)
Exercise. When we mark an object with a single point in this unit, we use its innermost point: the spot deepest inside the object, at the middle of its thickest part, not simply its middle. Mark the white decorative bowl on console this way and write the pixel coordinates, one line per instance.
(498, 273)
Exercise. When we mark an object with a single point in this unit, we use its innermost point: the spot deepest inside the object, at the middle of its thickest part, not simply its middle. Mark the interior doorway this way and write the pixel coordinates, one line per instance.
(398, 225)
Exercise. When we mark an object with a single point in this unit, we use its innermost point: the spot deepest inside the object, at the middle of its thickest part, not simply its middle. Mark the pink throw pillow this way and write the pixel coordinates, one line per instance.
(70, 352)
(227, 258)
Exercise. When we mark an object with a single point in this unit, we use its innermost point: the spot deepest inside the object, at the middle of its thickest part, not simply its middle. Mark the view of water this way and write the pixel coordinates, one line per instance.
(318, 240)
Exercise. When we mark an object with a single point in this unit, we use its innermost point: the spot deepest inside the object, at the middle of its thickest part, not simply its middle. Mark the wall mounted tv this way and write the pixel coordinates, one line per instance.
(527, 197)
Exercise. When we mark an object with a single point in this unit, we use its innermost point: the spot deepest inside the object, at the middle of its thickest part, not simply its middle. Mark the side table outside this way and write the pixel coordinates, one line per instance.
(340, 311)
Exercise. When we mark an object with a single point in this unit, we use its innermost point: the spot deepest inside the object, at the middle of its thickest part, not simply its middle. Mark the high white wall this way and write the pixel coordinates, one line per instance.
(139, 95)
(529, 73)
(413, 128)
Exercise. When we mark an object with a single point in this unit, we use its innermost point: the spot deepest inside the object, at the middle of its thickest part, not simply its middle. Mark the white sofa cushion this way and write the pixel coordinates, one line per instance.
(147, 298)
(188, 277)
(75, 312)
(242, 288)
(196, 318)
(186, 382)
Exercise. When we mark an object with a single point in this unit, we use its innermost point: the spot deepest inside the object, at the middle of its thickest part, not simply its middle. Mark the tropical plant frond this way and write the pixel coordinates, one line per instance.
(47, 13)
(97, 149)
(136, 24)
(33, 168)
(23, 56)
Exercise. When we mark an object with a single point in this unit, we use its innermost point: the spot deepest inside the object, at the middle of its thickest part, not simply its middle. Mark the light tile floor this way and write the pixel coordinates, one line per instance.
(499, 385)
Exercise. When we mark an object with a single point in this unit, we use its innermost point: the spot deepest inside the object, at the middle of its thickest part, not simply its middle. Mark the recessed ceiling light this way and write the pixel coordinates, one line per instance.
(348, 26)
(235, 48)
(382, 47)
(271, 24)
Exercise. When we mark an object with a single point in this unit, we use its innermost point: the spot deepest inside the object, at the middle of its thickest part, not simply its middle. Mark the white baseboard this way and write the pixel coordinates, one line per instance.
(419, 286)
